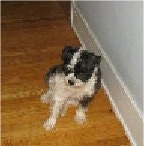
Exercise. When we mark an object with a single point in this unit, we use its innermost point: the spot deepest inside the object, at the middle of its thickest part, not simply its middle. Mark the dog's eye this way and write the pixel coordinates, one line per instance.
(69, 69)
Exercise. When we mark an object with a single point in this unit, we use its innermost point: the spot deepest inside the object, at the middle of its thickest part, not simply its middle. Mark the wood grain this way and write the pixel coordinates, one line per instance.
(29, 48)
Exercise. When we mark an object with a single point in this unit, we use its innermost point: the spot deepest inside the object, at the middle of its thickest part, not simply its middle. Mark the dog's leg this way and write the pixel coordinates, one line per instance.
(80, 116)
(50, 123)
(45, 98)
(63, 110)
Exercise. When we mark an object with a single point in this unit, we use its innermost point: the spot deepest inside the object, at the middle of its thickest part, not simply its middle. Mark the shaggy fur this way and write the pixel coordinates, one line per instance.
(75, 81)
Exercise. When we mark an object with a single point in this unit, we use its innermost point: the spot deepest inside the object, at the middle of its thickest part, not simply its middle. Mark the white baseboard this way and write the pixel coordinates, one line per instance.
(119, 96)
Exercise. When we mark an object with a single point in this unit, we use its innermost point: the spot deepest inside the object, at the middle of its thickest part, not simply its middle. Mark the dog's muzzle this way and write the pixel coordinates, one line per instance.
(71, 82)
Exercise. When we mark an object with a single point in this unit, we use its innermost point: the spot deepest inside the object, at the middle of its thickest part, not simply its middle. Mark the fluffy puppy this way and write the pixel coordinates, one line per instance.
(75, 81)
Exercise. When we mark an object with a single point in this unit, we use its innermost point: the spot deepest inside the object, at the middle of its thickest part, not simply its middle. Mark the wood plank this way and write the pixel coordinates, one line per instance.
(22, 121)
(17, 11)
(29, 51)
(29, 48)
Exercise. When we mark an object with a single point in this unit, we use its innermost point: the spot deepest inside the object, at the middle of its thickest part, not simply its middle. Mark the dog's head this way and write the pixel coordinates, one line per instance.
(79, 65)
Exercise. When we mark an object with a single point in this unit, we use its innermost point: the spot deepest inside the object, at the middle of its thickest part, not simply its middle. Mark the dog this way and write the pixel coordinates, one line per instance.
(75, 81)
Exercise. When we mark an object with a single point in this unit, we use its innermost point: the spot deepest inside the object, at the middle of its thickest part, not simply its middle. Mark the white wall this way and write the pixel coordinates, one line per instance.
(118, 27)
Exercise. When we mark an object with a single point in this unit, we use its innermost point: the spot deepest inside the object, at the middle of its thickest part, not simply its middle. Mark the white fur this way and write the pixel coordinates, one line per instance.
(61, 94)
(80, 116)
(76, 56)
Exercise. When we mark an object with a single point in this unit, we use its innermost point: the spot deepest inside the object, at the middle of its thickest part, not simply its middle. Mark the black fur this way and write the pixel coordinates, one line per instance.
(82, 70)
(98, 82)
(84, 103)
(85, 66)
(86, 99)
(67, 54)
(57, 69)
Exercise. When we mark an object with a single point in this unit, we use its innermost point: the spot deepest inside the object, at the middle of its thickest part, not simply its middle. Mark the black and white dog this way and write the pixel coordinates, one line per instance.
(75, 81)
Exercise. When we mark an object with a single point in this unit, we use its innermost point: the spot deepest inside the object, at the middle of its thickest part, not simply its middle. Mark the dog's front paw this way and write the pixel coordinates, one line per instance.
(45, 98)
(80, 118)
(49, 124)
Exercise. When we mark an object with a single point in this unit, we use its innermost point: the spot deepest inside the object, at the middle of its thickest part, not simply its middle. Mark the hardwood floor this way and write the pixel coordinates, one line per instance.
(33, 35)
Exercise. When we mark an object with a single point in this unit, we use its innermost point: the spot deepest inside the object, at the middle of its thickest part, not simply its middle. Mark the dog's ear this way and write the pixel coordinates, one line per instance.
(94, 59)
(67, 54)
(98, 59)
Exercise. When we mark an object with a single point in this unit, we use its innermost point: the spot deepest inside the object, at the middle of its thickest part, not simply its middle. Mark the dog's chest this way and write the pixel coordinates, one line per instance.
(64, 90)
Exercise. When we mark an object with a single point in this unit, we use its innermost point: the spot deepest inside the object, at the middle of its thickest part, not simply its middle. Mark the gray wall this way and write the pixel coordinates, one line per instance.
(118, 27)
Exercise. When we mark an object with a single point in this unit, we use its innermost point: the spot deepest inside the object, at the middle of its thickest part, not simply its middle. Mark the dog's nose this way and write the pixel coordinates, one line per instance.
(71, 82)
